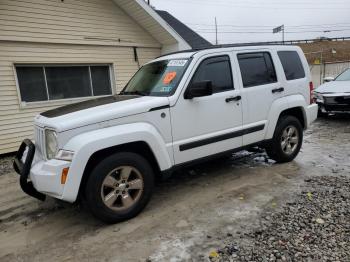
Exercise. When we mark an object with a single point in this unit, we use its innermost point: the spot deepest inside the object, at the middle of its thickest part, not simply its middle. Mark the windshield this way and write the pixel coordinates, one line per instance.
(345, 76)
(159, 78)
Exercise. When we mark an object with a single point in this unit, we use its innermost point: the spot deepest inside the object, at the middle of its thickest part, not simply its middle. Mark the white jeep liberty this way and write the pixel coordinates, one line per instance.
(177, 110)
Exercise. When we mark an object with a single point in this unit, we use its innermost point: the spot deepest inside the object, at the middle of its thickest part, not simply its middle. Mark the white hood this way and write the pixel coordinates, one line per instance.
(89, 112)
(334, 87)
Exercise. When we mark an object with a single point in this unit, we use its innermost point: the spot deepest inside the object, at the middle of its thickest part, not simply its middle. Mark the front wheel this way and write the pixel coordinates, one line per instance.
(119, 187)
(286, 141)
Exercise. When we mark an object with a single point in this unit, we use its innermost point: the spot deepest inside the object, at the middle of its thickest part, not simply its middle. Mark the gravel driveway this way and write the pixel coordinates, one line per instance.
(314, 226)
(243, 208)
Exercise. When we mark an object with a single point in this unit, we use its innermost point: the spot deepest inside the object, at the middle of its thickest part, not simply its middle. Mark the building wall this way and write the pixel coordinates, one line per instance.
(16, 120)
(55, 32)
(80, 21)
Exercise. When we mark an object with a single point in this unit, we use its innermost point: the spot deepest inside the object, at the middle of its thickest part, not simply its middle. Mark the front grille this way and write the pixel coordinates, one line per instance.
(337, 108)
(344, 100)
(39, 137)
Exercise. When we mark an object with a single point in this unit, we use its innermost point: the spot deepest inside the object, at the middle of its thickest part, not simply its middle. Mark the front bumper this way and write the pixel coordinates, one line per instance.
(334, 108)
(39, 177)
(23, 169)
(334, 104)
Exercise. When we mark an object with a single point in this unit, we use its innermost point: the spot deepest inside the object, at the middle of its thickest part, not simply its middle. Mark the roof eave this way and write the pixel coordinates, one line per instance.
(173, 39)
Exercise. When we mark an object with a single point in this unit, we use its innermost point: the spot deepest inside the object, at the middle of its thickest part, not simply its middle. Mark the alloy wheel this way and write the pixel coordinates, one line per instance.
(289, 140)
(122, 188)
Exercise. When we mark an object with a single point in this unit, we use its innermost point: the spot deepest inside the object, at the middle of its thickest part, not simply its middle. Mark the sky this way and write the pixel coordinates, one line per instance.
(253, 20)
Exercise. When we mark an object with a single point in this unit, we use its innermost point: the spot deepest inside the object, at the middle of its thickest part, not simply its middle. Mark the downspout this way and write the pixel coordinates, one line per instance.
(136, 57)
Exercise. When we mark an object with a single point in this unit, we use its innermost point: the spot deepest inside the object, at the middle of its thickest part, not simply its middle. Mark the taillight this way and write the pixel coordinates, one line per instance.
(311, 86)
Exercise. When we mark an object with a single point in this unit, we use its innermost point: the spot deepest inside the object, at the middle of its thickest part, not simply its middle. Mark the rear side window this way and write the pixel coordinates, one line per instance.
(257, 69)
(292, 66)
(217, 70)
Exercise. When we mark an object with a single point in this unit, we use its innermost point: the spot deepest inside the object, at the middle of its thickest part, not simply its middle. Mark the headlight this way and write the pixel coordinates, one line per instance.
(318, 96)
(65, 155)
(51, 143)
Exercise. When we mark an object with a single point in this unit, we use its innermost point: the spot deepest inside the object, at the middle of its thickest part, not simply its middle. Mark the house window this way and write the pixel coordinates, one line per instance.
(55, 82)
(257, 69)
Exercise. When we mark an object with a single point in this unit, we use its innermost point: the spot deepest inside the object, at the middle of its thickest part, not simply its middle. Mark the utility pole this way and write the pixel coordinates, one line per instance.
(283, 34)
(216, 31)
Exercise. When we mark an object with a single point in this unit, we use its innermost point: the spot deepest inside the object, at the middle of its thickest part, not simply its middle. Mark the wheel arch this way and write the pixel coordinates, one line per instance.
(138, 147)
(292, 105)
(141, 138)
(297, 112)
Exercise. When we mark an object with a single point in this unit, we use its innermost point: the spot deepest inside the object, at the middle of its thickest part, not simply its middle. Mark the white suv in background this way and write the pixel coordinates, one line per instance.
(177, 110)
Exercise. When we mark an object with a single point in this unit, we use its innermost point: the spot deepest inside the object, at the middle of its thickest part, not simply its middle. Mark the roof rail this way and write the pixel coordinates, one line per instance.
(222, 46)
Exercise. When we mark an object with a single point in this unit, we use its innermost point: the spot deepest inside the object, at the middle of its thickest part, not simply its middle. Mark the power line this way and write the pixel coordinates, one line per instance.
(270, 26)
(270, 30)
(277, 5)
(264, 32)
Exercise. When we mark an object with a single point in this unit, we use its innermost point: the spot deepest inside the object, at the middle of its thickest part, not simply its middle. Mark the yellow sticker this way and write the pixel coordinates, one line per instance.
(169, 77)
(213, 254)
(309, 195)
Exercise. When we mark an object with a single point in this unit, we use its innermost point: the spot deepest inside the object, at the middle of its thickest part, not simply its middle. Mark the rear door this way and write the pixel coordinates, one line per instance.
(294, 78)
(260, 88)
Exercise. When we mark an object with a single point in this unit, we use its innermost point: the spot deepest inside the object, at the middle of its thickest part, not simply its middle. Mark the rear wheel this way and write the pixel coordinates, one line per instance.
(286, 141)
(119, 187)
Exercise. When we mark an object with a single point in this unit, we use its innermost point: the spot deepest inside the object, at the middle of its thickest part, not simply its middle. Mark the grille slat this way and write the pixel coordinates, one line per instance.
(39, 139)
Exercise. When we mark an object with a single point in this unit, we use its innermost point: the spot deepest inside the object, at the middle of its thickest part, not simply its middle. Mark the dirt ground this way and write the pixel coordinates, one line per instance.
(190, 215)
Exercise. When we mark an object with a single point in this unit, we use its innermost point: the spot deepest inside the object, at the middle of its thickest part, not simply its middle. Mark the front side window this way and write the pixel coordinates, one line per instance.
(345, 76)
(159, 78)
(292, 66)
(257, 69)
(51, 82)
(218, 71)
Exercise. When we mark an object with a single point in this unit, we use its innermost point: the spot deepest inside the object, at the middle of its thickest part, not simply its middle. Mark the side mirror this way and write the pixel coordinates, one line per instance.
(328, 79)
(199, 89)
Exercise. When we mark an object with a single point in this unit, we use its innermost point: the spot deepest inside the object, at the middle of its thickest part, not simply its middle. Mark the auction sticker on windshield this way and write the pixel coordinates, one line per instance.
(169, 77)
(179, 63)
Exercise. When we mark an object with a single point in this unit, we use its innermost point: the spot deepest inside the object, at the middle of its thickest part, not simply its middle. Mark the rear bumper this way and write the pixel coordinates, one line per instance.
(311, 114)
(39, 178)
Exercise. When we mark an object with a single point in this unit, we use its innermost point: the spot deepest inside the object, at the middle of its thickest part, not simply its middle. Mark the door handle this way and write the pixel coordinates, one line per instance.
(278, 90)
(233, 98)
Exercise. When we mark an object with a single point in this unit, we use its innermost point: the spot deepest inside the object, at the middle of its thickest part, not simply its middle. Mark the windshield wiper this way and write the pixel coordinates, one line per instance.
(136, 92)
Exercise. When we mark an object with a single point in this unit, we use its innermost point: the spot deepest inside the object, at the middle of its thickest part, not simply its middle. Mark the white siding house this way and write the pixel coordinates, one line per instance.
(54, 52)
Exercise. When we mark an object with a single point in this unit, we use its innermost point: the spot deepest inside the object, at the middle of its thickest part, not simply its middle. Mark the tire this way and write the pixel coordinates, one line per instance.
(278, 148)
(119, 187)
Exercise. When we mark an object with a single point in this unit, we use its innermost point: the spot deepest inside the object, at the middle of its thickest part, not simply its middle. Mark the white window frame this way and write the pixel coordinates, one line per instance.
(49, 102)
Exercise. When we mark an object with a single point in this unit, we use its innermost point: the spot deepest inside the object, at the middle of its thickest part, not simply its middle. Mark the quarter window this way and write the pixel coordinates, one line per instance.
(292, 66)
(218, 71)
(257, 69)
(44, 83)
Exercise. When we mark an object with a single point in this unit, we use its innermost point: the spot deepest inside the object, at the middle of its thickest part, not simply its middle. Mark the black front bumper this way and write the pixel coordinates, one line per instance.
(23, 169)
(341, 108)
(335, 104)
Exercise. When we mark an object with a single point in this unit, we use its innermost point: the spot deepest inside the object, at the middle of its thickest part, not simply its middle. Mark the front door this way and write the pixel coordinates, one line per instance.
(204, 126)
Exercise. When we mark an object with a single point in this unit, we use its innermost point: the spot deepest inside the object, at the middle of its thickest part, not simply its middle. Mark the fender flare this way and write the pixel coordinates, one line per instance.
(280, 105)
(86, 144)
